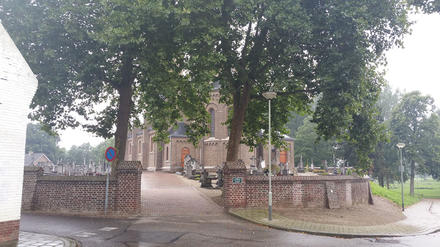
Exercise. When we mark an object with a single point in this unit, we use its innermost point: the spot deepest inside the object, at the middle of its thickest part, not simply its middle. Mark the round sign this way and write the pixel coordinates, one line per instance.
(110, 153)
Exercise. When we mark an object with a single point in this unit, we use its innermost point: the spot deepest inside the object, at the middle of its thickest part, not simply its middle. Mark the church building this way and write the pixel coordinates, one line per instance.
(211, 150)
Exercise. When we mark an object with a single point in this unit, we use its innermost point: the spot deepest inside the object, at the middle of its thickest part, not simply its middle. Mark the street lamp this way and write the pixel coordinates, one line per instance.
(401, 145)
(269, 96)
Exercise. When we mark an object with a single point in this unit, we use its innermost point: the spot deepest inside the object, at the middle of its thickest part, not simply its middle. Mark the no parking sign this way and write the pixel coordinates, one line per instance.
(110, 154)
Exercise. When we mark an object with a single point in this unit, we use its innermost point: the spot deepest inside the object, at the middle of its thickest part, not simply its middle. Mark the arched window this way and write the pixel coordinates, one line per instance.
(151, 144)
(212, 112)
(167, 154)
(139, 146)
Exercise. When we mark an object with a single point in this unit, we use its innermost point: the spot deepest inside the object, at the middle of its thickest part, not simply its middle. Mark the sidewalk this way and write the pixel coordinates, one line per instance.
(422, 218)
(28, 239)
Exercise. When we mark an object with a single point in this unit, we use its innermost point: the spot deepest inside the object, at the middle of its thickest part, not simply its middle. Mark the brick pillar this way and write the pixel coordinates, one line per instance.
(30, 178)
(128, 182)
(234, 184)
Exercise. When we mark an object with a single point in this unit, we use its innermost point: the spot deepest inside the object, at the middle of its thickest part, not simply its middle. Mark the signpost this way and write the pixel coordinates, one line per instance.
(110, 155)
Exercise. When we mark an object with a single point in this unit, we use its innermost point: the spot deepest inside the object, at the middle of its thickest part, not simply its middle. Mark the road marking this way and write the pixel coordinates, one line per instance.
(107, 229)
(85, 234)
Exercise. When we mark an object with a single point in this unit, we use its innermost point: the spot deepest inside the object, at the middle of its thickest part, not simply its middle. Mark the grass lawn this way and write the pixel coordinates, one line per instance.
(423, 188)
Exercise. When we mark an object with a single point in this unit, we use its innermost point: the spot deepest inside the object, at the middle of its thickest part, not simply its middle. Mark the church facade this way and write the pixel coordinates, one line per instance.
(211, 150)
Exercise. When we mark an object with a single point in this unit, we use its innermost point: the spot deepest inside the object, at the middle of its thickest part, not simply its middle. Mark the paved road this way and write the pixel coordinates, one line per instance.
(173, 219)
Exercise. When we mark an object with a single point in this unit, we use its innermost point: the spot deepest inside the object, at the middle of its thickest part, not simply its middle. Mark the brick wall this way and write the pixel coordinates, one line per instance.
(299, 191)
(73, 194)
(9, 232)
(30, 177)
(84, 194)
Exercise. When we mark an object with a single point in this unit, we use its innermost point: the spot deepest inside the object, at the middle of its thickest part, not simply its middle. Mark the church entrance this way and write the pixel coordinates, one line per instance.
(185, 151)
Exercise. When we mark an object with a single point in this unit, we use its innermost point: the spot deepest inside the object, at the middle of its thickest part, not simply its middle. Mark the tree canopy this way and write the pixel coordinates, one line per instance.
(299, 49)
(90, 53)
(413, 122)
(163, 56)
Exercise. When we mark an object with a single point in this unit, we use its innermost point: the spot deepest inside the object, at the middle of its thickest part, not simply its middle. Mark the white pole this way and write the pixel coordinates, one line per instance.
(270, 170)
(401, 179)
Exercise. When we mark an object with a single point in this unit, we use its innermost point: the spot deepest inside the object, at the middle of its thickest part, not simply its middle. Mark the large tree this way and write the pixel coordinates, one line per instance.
(410, 124)
(90, 53)
(300, 49)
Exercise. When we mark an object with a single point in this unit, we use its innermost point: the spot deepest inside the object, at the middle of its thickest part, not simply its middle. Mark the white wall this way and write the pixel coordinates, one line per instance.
(17, 87)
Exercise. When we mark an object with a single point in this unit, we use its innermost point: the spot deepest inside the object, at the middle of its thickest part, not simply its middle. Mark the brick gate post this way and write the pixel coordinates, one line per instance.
(234, 184)
(128, 197)
(30, 178)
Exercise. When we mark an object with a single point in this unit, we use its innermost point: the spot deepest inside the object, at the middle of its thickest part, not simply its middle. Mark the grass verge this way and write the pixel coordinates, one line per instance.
(394, 195)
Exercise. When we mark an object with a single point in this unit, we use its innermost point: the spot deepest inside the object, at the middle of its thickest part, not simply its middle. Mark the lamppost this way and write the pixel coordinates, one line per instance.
(401, 145)
(269, 96)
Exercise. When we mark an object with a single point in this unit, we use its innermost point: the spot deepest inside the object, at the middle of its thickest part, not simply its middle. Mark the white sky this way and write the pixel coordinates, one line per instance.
(414, 67)
(417, 65)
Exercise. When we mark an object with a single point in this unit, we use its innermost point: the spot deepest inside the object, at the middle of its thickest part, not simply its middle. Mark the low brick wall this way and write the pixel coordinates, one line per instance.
(9, 233)
(84, 194)
(293, 191)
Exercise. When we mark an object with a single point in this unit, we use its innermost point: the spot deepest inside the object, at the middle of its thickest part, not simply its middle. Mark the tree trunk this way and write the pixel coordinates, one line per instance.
(241, 102)
(411, 182)
(125, 91)
(381, 180)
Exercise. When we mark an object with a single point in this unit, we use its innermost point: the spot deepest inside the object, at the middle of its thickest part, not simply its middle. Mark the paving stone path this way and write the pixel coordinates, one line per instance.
(166, 194)
(28, 239)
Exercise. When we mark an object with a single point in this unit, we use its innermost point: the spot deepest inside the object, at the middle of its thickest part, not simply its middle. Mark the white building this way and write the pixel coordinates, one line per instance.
(17, 87)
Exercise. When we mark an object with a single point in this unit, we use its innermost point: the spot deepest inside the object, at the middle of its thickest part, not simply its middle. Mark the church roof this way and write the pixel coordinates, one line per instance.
(180, 132)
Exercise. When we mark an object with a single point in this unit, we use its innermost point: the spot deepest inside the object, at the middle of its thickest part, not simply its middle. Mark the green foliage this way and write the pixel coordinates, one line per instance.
(393, 195)
(414, 123)
(39, 141)
(300, 49)
(308, 145)
(385, 157)
(427, 6)
(295, 121)
(87, 53)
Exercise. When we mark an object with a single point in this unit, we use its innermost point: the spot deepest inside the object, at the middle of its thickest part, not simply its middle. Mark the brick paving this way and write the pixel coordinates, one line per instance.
(422, 218)
(28, 239)
(166, 194)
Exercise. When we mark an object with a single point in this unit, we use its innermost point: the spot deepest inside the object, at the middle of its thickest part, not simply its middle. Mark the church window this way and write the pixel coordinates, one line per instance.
(129, 148)
(167, 154)
(139, 146)
(212, 113)
(151, 144)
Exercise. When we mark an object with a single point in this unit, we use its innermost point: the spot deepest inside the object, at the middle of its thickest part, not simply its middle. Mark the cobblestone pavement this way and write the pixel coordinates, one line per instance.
(166, 194)
(422, 218)
(28, 239)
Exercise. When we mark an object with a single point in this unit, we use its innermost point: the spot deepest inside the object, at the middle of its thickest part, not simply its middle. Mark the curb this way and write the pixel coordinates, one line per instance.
(330, 234)
(70, 242)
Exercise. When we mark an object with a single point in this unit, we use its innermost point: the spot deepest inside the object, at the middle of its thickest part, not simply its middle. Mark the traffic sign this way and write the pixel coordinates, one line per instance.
(110, 153)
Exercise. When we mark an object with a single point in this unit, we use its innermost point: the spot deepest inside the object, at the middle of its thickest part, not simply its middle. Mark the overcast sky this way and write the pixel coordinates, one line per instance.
(415, 67)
